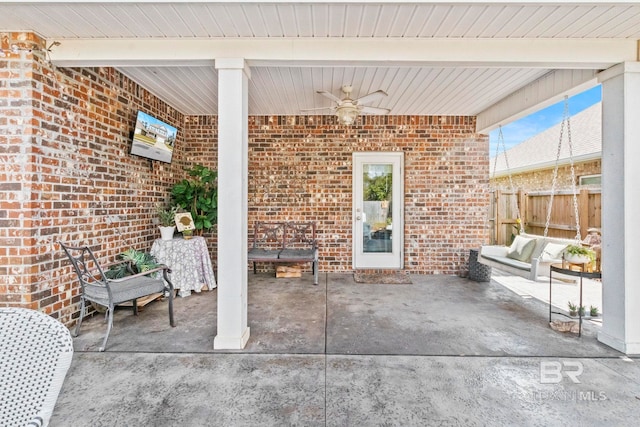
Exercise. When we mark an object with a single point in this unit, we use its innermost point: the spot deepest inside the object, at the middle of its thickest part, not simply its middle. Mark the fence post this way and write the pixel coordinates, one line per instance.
(522, 207)
(491, 217)
(583, 211)
(498, 222)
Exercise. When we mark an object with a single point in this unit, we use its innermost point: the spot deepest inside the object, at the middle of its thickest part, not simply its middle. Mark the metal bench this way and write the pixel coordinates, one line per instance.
(285, 242)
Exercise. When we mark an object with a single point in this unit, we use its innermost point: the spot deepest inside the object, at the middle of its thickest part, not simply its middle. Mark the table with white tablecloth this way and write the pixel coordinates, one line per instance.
(189, 261)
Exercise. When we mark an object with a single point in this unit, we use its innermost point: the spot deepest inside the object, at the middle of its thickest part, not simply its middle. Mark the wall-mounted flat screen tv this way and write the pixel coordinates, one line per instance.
(153, 138)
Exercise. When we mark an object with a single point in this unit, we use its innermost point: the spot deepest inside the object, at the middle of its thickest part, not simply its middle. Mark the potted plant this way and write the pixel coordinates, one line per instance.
(581, 310)
(577, 254)
(135, 262)
(167, 221)
(573, 309)
(199, 196)
(593, 311)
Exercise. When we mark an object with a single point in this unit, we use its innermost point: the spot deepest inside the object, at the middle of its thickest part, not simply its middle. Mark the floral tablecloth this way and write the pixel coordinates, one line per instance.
(190, 263)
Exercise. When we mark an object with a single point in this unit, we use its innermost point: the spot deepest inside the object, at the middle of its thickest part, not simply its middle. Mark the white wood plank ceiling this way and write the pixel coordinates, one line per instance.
(288, 88)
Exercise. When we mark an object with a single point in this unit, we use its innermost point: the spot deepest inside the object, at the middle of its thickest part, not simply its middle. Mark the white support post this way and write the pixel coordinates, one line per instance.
(233, 75)
(621, 207)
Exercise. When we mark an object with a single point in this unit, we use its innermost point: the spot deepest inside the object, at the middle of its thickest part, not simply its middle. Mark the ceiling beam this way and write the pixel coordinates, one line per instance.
(545, 91)
(530, 53)
(483, 2)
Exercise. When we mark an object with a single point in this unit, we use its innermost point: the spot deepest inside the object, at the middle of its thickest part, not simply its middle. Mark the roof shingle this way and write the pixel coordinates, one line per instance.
(541, 149)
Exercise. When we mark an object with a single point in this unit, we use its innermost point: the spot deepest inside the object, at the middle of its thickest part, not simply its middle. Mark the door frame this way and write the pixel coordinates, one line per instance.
(381, 260)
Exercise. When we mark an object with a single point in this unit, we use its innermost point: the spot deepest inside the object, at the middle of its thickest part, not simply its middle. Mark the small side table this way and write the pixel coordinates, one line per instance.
(189, 261)
(558, 268)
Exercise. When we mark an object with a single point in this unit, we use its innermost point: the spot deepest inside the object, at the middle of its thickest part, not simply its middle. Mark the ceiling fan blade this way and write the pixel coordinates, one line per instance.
(373, 110)
(371, 97)
(316, 109)
(329, 95)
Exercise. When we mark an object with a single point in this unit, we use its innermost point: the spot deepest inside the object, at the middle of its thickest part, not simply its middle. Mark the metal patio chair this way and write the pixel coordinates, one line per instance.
(96, 287)
(35, 355)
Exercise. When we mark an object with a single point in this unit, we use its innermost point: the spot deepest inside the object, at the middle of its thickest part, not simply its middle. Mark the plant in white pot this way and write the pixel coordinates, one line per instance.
(577, 254)
(167, 222)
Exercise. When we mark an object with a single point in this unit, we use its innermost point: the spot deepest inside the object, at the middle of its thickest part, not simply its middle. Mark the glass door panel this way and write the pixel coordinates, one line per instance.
(377, 217)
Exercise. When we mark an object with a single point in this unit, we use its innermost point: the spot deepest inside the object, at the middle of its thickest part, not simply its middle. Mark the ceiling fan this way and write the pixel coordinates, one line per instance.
(347, 109)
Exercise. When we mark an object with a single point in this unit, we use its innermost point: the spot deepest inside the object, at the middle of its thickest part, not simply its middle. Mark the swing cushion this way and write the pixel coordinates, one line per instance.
(521, 249)
(553, 252)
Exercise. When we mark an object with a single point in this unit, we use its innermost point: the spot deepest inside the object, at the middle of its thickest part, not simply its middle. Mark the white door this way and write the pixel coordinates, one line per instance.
(378, 206)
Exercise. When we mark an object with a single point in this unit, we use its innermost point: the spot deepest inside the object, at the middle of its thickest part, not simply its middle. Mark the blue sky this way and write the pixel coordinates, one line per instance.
(523, 129)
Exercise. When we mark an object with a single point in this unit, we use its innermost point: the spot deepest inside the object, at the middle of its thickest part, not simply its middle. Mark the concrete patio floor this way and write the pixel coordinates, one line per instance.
(562, 291)
(441, 351)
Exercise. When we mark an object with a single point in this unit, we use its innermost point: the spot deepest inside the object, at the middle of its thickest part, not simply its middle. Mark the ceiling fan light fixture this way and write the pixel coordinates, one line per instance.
(347, 114)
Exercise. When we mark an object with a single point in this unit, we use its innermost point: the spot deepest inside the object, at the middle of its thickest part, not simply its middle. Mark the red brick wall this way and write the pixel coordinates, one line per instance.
(67, 175)
(300, 169)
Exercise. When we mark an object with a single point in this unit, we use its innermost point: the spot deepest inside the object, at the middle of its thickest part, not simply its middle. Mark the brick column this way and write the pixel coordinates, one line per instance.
(18, 225)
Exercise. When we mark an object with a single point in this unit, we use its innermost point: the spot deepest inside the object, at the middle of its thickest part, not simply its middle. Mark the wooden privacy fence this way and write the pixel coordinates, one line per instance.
(533, 211)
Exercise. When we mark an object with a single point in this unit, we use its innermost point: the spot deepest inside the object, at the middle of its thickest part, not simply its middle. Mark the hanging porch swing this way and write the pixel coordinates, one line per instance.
(531, 255)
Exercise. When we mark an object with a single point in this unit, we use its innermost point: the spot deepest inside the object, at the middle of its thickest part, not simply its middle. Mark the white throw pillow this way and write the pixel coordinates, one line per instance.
(552, 252)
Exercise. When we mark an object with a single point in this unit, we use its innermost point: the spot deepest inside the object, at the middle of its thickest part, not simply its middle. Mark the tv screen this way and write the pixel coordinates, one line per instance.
(153, 138)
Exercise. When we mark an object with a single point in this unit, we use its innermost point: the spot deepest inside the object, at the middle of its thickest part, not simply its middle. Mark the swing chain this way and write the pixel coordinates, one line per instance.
(554, 180)
(573, 180)
(506, 161)
(565, 119)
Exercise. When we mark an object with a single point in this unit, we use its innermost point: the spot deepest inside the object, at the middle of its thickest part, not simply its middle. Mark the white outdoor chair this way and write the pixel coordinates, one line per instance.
(35, 354)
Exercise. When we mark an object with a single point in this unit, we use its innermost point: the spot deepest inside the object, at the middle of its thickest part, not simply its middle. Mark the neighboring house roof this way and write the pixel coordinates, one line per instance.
(540, 151)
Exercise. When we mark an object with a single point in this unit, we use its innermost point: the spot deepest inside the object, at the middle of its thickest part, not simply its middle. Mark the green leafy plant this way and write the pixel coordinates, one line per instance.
(134, 262)
(378, 187)
(581, 310)
(573, 309)
(578, 250)
(593, 311)
(198, 195)
(167, 216)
